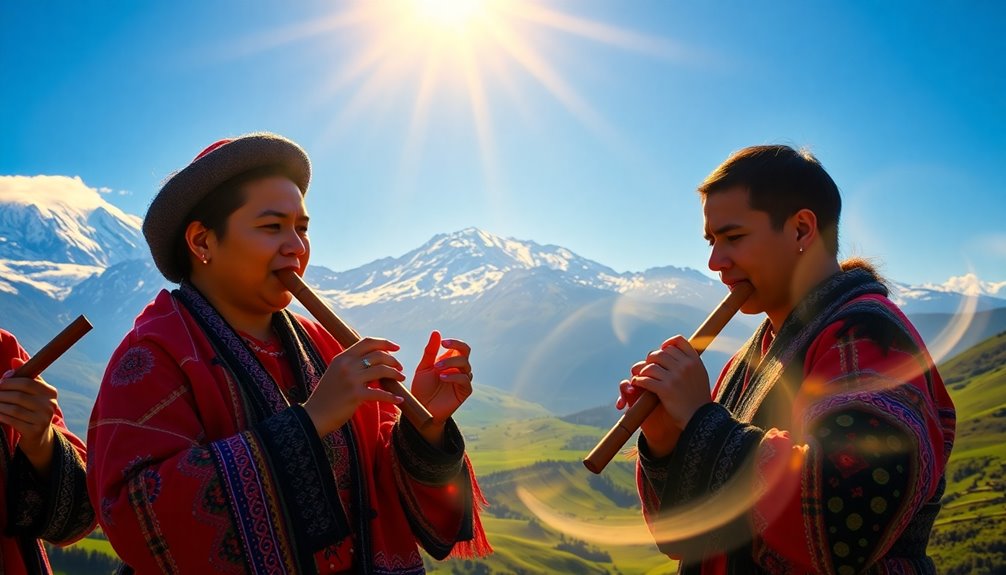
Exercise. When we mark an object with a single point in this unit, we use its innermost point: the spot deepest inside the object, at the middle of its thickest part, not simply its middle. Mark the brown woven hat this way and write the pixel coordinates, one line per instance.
(213, 166)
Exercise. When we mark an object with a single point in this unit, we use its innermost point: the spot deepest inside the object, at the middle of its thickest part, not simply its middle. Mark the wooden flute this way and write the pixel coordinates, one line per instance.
(633, 417)
(56, 347)
(346, 336)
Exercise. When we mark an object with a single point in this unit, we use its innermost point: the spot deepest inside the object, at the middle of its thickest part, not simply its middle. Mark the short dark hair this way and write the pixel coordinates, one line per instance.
(781, 181)
(214, 209)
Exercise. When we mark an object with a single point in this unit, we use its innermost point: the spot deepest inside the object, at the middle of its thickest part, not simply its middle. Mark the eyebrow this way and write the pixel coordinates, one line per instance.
(722, 230)
(281, 215)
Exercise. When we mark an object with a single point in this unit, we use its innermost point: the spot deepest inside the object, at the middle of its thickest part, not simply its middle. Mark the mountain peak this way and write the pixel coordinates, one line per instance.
(502, 253)
(62, 220)
(969, 284)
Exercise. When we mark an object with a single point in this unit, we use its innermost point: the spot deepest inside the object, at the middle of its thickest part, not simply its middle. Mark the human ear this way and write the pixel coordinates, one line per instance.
(805, 225)
(199, 240)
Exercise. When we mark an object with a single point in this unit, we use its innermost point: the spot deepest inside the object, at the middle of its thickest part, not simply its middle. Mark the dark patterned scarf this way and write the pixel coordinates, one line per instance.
(783, 361)
(263, 398)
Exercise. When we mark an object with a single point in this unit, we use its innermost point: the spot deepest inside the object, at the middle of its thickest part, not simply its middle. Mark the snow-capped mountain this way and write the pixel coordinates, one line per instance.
(462, 266)
(545, 324)
(61, 220)
(966, 293)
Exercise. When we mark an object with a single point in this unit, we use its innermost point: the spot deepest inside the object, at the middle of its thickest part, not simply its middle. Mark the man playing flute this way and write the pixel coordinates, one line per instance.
(824, 444)
(42, 470)
(233, 436)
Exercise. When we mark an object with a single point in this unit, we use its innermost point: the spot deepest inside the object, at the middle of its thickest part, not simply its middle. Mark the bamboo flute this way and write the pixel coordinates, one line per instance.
(633, 417)
(346, 336)
(56, 347)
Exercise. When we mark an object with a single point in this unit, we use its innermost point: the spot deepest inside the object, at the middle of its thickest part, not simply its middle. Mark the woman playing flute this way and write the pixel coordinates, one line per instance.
(824, 446)
(41, 470)
(233, 436)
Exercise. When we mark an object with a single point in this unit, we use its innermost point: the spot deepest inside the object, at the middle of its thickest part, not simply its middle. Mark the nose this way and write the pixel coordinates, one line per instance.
(294, 244)
(718, 260)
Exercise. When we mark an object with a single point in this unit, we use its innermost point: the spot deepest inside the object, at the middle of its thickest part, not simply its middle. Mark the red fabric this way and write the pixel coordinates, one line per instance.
(212, 147)
(162, 401)
(11, 553)
(790, 534)
(11, 560)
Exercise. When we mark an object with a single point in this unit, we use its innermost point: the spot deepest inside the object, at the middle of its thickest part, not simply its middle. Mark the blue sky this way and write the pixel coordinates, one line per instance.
(579, 123)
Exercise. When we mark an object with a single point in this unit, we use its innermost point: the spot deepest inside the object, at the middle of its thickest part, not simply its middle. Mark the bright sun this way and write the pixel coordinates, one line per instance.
(435, 50)
(449, 15)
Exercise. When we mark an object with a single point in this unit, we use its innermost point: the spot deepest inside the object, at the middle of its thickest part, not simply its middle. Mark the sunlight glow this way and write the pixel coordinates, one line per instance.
(433, 58)
(454, 15)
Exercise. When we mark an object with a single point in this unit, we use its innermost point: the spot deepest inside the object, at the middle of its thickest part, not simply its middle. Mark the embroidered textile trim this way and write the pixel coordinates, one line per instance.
(261, 531)
(426, 463)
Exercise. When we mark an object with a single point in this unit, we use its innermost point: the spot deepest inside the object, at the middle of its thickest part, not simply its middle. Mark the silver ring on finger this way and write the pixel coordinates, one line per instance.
(366, 363)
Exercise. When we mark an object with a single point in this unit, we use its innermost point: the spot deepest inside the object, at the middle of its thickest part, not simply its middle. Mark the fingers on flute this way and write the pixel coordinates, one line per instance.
(463, 380)
(457, 345)
(375, 372)
(376, 358)
(378, 394)
(449, 364)
(678, 343)
(648, 384)
(27, 413)
(637, 367)
(627, 394)
(369, 344)
(29, 386)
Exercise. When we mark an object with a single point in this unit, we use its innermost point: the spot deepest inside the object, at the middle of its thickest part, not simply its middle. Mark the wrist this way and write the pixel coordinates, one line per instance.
(661, 443)
(433, 433)
(39, 450)
(317, 419)
(33, 446)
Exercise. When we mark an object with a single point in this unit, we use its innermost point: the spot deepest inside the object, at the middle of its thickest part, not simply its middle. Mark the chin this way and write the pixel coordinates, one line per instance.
(751, 307)
(277, 302)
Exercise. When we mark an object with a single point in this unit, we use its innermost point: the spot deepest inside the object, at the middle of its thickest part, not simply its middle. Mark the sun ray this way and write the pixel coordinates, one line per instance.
(355, 17)
(483, 122)
(595, 31)
(539, 68)
(419, 119)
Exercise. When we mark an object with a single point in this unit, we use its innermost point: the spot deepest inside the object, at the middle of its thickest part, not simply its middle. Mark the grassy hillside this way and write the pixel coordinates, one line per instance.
(489, 405)
(967, 537)
(515, 444)
(603, 507)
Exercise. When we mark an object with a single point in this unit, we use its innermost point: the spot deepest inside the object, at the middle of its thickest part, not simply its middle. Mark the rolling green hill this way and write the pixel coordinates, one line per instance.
(489, 405)
(543, 456)
(515, 444)
(603, 508)
(967, 537)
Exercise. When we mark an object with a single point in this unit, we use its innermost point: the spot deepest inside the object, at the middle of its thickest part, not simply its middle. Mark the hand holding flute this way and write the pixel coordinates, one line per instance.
(442, 382)
(668, 372)
(27, 403)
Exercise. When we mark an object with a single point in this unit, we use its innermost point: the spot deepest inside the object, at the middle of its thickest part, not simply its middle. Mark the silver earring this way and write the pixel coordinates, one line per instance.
(801, 251)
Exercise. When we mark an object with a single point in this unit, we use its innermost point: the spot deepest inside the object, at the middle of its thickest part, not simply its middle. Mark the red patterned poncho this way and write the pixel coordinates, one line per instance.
(202, 463)
(824, 451)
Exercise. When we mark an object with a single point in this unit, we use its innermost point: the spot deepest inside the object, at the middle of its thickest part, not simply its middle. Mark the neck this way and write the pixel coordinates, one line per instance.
(253, 323)
(812, 269)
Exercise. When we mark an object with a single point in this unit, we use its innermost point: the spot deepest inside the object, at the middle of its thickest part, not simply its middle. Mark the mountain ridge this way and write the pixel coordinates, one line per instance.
(546, 324)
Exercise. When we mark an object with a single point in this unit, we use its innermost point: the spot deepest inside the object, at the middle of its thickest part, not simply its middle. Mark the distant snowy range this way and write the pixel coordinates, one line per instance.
(547, 326)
